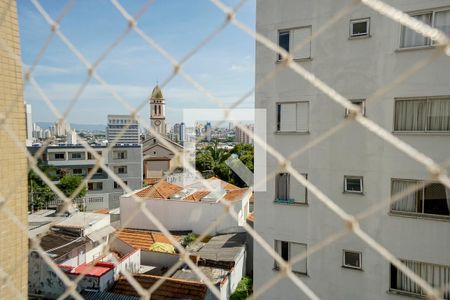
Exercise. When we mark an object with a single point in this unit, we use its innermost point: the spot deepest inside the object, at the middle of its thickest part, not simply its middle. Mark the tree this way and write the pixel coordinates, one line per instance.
(69, 183)
(39, 192)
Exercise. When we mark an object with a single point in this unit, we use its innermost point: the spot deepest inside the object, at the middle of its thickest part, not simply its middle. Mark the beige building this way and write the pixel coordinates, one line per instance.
(13, 164)
(157, 156)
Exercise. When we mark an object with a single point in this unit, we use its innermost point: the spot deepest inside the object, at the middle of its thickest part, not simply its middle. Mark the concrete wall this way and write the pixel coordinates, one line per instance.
(179, 215)
(158, 259)
(131, 262)
(356, 70)
(42, 280)
(13, 163)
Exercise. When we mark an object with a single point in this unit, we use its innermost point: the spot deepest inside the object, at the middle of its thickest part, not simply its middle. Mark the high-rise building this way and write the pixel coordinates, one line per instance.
(158, 111)
(241, 136)
(182, 133)
(208, 130)
(360, 54)
(13, 162)
(125, 123)
(29, 124)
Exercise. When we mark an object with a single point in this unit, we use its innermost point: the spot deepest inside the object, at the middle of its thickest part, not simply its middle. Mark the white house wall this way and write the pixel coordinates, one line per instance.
(179, 215)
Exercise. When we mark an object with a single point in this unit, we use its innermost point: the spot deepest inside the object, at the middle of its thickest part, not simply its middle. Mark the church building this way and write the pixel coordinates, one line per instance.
(158, 158)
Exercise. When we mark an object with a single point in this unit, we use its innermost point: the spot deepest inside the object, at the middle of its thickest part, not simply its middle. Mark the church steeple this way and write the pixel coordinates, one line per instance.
(158, 111)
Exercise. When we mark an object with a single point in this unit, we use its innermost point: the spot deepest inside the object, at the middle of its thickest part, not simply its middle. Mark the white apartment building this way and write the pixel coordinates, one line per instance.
(119, 123)
(102, 190)
(358, 55)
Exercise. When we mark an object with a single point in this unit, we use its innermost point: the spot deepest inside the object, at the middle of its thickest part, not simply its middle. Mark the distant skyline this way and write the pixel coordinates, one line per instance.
(225, 66)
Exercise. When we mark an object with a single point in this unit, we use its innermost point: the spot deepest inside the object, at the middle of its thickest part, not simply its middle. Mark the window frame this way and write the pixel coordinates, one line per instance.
(359, 36)
(290, 200)
(278, 251)
(95, 183)
(80, 154)
(356, 101)
(116, 186)
(278, 118)
(344, 265)
(431, 43)
(290, 31)
(73, 171)
(117, 170)
(409, 293)
(361, 178)
(116, 155)
(422, 190)
(59, 153)
(428, 99)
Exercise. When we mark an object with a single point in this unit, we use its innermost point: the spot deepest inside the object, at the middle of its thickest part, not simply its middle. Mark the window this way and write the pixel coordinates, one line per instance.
(293, 117)
(352, 259)
(362, 106)
(288, 250)
(291, 39)
(90, 156)
(77, 171)
(60, 155)
(95, 186)
(360, 28)
(422, 114)
(288, 193)
(120, 154)
(120, 170)
(117, 186)
(439, 19)
(431, 199)
(353, 184)
(436, 275)
(76, 155)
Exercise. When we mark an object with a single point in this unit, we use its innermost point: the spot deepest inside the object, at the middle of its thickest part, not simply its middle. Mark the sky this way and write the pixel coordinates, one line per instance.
(225, 66)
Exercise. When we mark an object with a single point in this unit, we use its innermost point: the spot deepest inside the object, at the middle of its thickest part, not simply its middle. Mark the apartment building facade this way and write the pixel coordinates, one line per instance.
(103, 191)
(360, 54)
(125, 123)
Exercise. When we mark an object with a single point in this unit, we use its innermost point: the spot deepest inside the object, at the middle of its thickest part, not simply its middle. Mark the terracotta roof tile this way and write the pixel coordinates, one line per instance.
(235, 194)
(104, 211)
(161, 190)
(196, 196)
(152, 181)
(226, 185)
(170, 289)
(143, 239)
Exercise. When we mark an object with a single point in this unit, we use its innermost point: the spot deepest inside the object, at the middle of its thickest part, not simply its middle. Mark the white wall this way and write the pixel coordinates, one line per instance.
(158, 259)
(356, 69)
(179, 215)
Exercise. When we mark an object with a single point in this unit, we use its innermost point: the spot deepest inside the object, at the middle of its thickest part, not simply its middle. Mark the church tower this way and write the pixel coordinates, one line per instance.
(158, 111)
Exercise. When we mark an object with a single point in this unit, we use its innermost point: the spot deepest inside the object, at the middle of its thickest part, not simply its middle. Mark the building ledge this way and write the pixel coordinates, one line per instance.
(419, 133)
(289, 202)
(291, 132)
(419, 216)
(404, 293)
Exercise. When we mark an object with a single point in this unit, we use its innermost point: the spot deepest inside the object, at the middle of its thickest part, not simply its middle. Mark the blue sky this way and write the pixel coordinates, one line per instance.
(225, 66)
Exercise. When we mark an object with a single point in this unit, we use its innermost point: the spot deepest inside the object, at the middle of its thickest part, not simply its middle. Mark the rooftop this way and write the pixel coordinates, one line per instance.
(143, 239)
(195, 192)
(88, 295)
(216, 275)
(161, 190)
(170, 289)
(223, 248)
(96, 270)
(81, 220)
(57, 245)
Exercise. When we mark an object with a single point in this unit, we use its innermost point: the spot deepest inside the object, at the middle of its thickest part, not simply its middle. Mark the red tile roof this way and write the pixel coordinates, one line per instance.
(104, 211)
(226, 185)
(96, 270)
(143, 239)
(161, 190)
(170, 289)
(196, 196)
(235, 194)
(152, 181)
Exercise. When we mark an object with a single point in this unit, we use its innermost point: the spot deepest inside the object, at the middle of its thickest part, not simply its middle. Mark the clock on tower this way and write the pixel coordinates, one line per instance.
(158, 111)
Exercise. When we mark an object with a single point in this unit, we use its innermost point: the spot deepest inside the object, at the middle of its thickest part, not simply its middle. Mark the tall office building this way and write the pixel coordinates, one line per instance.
(125, 123)
(13, 162)
(360, 54)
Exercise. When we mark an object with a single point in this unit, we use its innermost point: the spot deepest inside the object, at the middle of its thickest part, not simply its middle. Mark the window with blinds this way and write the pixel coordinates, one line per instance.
(426, 114)
(293, 117)
(439, 19)
(437, 276)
